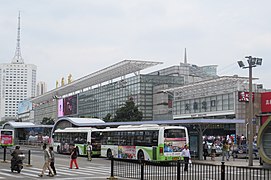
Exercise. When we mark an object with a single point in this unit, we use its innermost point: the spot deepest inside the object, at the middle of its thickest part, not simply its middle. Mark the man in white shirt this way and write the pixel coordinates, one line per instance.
(186, 155)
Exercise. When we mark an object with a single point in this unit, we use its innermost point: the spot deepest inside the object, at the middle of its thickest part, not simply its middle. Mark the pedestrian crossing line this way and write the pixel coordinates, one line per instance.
(86, 168)
(71, 171)
(91, 170)
(24, 173)
(9, 173)
(38, 170)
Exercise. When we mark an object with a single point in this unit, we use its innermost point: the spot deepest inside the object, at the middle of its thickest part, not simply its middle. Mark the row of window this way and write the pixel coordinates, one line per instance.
(131, 138)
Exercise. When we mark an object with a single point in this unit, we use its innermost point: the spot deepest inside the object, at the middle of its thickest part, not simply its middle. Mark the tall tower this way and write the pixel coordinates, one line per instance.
(17, 82)
(17, 59)
(185, 57)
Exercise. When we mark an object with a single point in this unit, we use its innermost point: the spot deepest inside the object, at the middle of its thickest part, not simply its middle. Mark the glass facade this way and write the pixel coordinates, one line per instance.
(220, 102)
(100, 101)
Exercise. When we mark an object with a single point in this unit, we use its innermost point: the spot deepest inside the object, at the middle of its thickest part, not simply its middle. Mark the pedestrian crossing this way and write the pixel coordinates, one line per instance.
(63, 172)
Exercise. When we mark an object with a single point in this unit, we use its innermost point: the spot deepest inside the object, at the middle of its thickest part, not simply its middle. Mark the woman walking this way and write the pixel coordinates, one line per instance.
(74, 155)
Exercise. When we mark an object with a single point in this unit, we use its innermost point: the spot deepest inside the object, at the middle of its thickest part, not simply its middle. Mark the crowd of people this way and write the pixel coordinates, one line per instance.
(227, 144)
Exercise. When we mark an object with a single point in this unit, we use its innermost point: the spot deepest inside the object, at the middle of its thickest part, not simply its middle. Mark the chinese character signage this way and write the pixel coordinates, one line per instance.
(244, 96)
(266, 102)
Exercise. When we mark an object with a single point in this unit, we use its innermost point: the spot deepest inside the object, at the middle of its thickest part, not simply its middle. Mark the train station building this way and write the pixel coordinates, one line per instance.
(179, 92)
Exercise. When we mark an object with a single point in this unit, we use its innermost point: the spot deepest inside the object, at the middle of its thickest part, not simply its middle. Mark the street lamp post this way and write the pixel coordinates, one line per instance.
(252, 62)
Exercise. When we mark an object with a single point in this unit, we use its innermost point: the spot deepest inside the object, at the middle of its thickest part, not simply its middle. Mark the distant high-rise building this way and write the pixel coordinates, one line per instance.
(41, 88)
(17, 82)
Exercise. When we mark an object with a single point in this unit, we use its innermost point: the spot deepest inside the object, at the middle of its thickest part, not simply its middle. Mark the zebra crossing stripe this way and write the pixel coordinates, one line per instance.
(9, 173)
(38, 170)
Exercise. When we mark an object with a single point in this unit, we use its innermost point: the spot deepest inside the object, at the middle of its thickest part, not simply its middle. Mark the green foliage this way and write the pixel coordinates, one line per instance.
(129, 112)
(47, 121)
(108, 118)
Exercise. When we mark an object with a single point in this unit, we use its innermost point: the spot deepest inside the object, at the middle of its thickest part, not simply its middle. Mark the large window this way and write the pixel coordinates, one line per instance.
(131, 138)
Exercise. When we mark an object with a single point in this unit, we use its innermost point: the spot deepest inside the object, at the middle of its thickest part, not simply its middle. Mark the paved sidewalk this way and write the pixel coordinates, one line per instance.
(231, 162)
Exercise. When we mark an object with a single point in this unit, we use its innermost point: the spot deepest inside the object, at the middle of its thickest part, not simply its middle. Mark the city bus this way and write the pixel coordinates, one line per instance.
(144, 142)
(65, 139)
(6, 137)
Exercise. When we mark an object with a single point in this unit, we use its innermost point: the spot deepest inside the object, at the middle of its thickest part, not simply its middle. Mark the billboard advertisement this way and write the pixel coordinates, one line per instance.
(244, 96)
(24, 106)
(70, 105)
(60, 108)
(6, 137)
(266, 102)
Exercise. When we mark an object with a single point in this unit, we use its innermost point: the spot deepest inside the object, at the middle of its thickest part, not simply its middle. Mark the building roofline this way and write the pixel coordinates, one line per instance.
(114, 71)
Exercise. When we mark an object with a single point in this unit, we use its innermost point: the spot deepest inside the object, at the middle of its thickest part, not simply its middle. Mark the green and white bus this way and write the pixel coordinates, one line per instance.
(64, 139)
(145, 142)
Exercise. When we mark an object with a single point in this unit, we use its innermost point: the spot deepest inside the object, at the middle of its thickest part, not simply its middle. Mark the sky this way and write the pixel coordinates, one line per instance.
(79, 37)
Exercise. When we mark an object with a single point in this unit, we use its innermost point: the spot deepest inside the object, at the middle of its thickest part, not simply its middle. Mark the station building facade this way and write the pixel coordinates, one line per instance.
(105, 91)
(225, 97)
(174, 93)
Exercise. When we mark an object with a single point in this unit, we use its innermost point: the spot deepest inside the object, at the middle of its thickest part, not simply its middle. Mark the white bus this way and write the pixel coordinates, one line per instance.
(148, 142)
(63, 139)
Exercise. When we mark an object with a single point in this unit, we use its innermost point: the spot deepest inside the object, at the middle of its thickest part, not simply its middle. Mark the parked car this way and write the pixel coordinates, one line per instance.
(242, 151)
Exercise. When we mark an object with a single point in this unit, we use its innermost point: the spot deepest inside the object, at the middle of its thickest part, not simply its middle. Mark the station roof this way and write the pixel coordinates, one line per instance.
(115, 71)
(216, 81)
(181, 122)
(16, 125)
(79, 122)
(89, 123)
(82, 121)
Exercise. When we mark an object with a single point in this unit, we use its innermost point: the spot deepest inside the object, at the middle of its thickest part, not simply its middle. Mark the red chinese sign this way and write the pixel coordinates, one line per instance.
(266, 102)
(244, 96)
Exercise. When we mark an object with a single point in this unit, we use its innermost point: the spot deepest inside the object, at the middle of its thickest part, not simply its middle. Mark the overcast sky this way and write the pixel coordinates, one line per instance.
(84, 36)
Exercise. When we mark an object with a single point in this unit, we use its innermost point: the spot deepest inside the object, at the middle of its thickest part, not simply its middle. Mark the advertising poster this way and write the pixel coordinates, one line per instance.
(173, 146)
(70, 105)
(6, 138)
(60, 108)
(24, 106)
(127, 152)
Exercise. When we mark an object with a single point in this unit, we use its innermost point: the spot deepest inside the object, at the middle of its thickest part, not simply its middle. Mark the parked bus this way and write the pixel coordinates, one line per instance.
(6, 137)
(148, 142)
(64, 139)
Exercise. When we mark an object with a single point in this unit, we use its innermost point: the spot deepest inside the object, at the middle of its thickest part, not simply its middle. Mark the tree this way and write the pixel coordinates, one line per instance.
(108, 118)
(47, 121)
(129, 112)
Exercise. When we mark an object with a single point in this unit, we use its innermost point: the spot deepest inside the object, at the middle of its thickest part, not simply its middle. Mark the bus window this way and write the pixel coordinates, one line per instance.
(174, 133)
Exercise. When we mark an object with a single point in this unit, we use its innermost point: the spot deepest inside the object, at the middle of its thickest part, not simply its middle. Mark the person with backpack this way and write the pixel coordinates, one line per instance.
(74, 155)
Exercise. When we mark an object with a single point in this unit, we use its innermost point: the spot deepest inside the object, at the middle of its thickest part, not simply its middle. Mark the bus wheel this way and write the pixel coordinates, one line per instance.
(109, 154)
(140, 155)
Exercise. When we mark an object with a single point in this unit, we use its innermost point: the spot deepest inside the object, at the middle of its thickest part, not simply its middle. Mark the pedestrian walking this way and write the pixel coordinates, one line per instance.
(223, 150)
(227, 148)
(213, 151)
(205, 150)
(74, 155)
(89, 151)
(47, 160)
(186, 155)
(52, 163)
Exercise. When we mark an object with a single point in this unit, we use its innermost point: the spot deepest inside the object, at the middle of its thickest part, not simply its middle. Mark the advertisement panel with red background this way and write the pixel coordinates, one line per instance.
(265, 105)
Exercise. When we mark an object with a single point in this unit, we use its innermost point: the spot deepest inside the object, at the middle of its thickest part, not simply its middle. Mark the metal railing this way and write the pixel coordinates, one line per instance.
(5, 155)
(174, 170)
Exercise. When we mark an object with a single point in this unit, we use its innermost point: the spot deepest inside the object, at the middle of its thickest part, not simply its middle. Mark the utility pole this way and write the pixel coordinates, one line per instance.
(252, 62)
